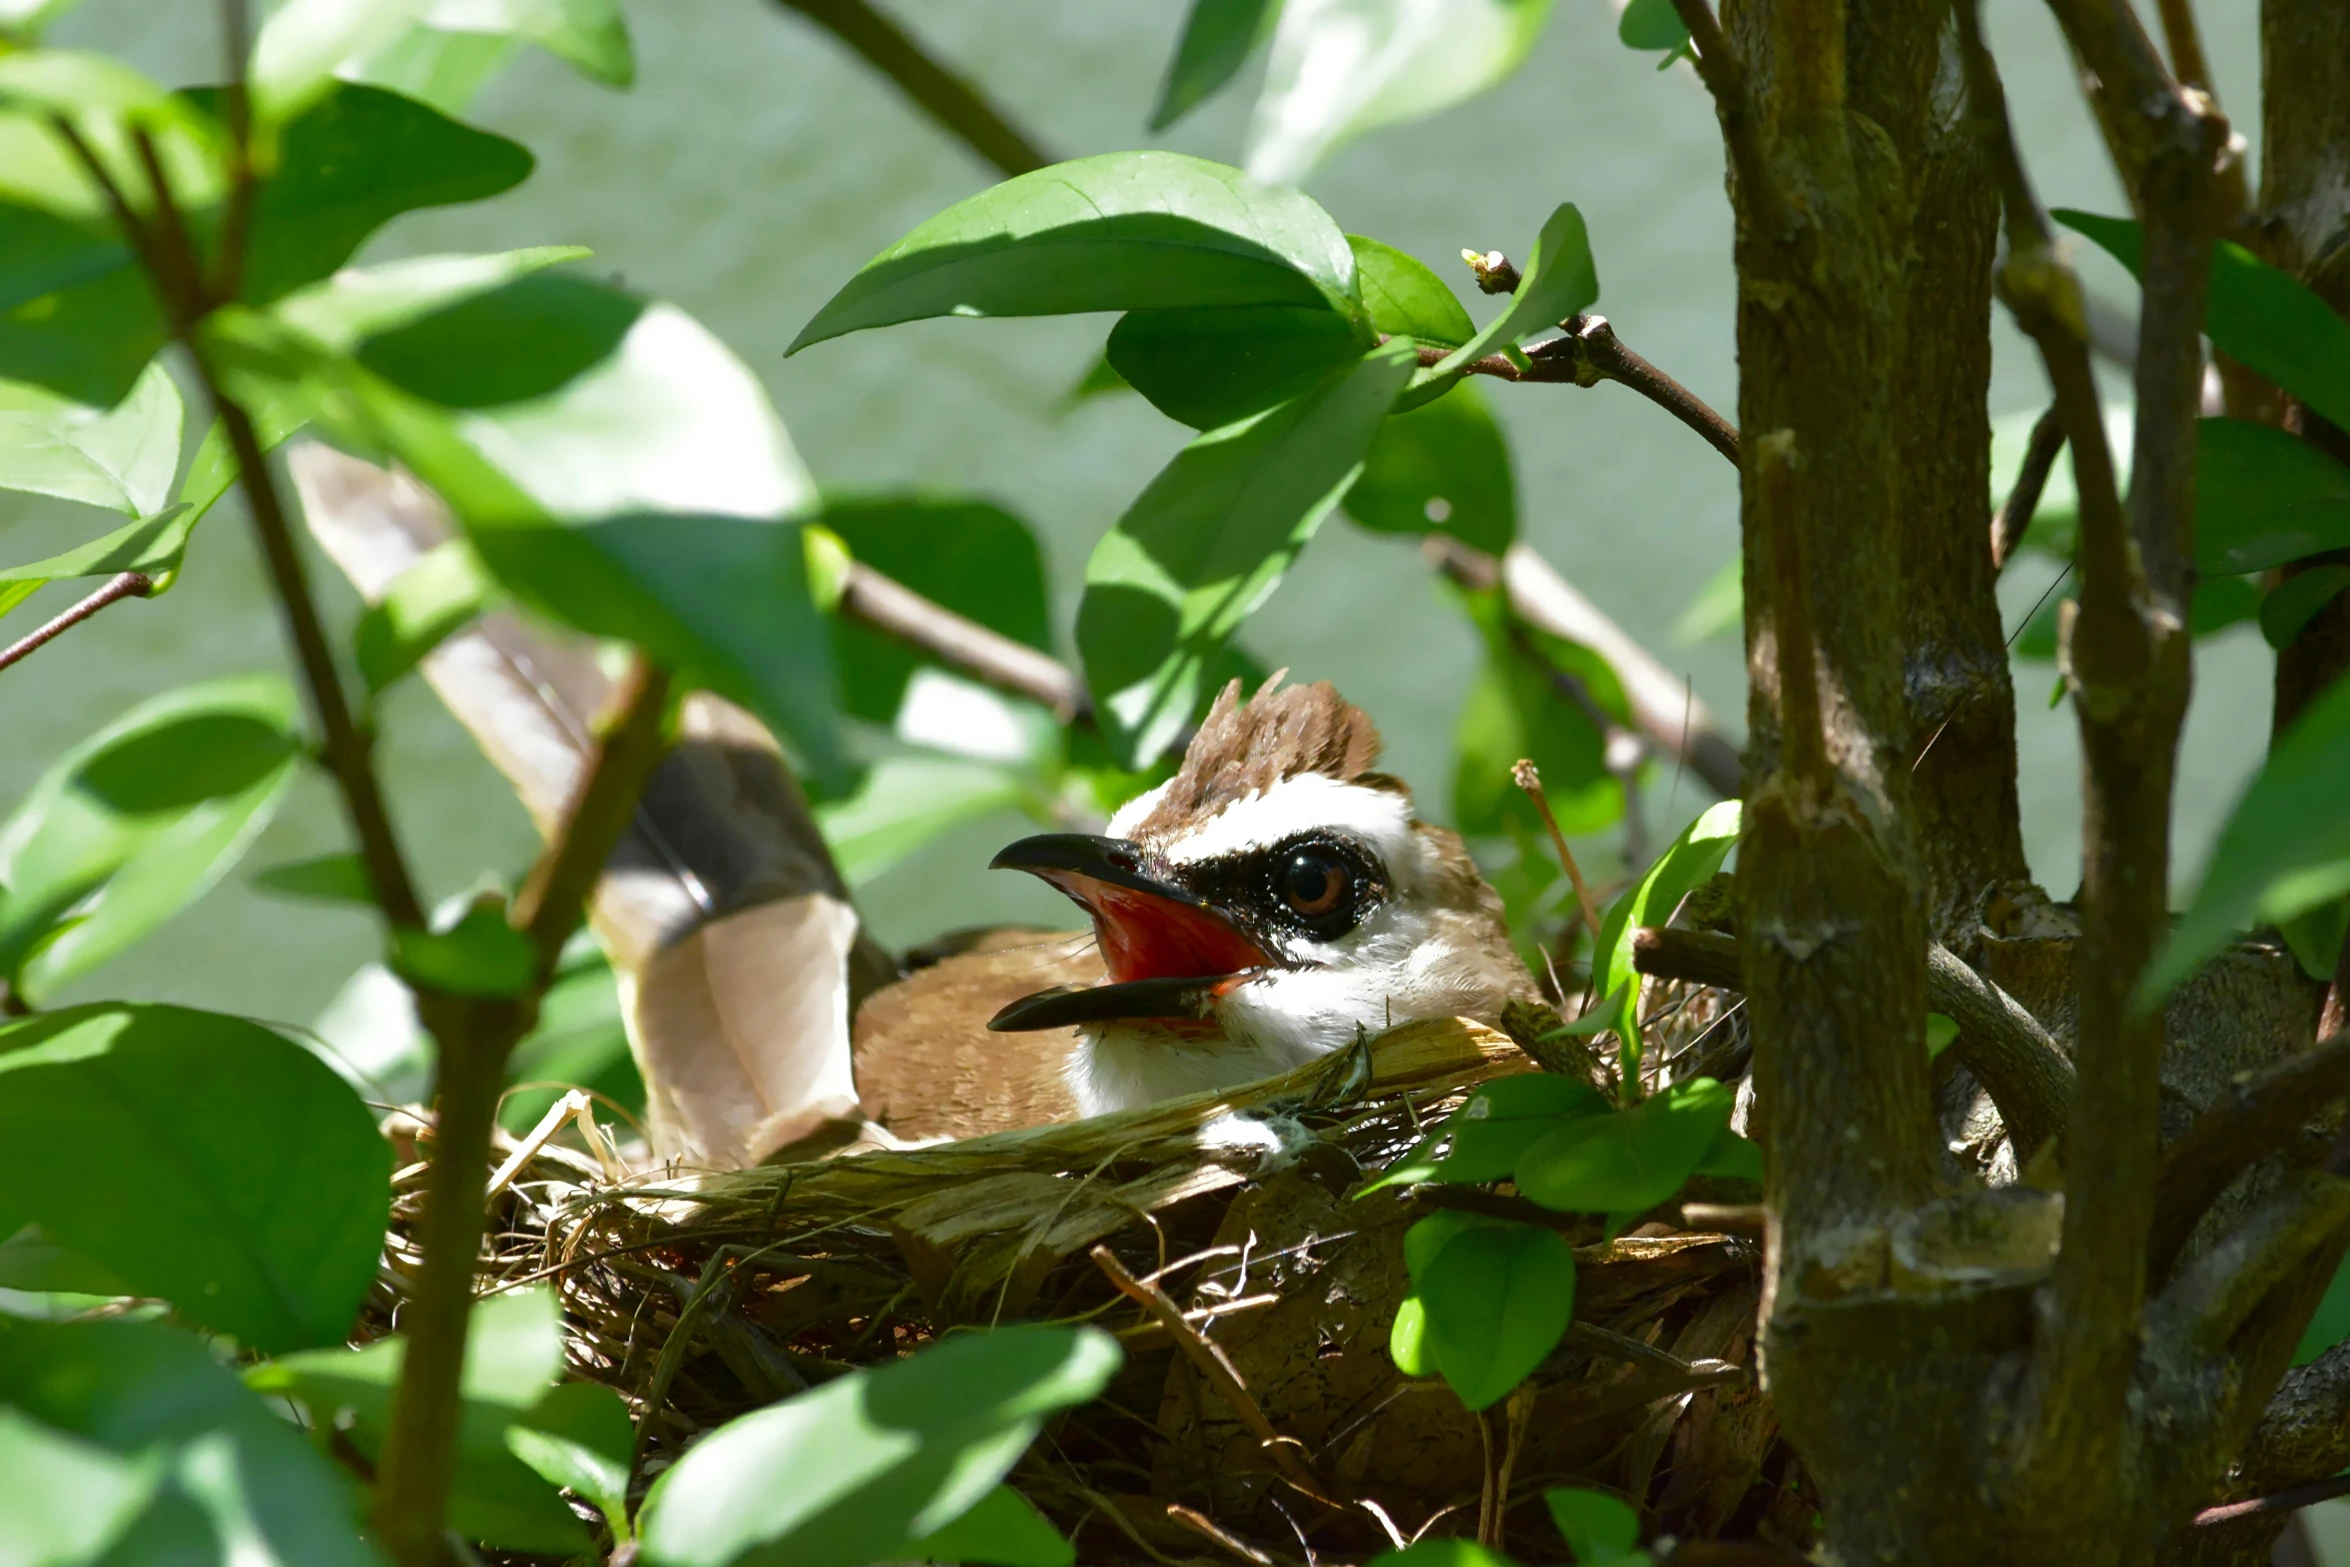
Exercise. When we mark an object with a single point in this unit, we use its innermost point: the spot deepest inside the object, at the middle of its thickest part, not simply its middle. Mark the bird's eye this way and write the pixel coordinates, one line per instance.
(1315, 883)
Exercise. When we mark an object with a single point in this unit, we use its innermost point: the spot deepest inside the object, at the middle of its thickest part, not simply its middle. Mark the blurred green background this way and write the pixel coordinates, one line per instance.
(756, 165)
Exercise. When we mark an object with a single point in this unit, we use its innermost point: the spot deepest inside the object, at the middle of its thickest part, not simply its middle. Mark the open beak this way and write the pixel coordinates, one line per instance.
(1169, 955)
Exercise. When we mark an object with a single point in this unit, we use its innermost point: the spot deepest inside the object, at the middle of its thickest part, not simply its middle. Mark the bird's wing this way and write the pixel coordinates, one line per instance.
(738, 949)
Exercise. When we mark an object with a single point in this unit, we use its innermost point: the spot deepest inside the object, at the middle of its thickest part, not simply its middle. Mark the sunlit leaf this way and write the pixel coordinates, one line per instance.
(2285, 848)
(1496, 1298)
(590, 35)
(1558, 279)
(446, 71)
(858, 1469)
(1600, 1529)
(128, 1133)
(1441, 1553)
(442, 593)
(1690, 860)
(1004, 1530)
(1444, 468)
(1632, 1160)
(1407, 1339)
(236, 1481)
(1405, 299)
(1339, 68)
(147, 814)
(303, 41)
(67, 1500)
(1218, 37)
(123, 458)
(153, 545)
(479, 954)
(1122, 231)
(1209, 540)
(580, 1437)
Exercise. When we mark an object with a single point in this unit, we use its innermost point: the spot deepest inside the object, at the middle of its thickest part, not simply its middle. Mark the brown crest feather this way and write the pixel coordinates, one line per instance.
(1245, 748)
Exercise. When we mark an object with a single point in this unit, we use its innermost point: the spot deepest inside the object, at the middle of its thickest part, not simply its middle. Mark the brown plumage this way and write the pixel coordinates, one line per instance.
(1245, 748)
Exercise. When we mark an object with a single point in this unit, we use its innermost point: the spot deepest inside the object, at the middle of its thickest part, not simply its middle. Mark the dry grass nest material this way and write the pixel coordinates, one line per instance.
(1259, 1416)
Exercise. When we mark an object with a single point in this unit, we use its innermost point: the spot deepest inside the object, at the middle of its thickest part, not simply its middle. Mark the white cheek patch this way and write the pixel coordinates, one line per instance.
(1308, 802)
(1133, 811)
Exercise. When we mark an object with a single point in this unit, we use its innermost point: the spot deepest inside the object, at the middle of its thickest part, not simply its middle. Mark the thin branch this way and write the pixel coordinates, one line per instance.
(987, 656)
(2218, 1291)
(1662, 707)
(2305, 1431)
(2186, 44)
(1528, 778)
(2260, 1113)
(127, 585)
(950, 100)
(1210, 1360)
(2003, 1045)
(1590, 353)
(2283, 1502)
(1734, 104)
(2140, 108)
(2013, 519)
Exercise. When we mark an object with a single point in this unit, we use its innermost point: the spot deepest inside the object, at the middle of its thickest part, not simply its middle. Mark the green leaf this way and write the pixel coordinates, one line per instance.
(1500, 1121)
(329, 878)
(907, 801)
(970, 557)
(480, 955)
(299, 46)
(1405, 299)
(1717, 607)
(1210, 539)
(123, 459)
(353, 161)
(236, 1481)
(522, 340)
(1122, 231)
(579, 1436)
(31, 1261)
(1441, 1553)
(1407, 1340)
(2256, 314)
(1632, 1160)
(1497, 1300)
(858, 1469)
(1652, 24)
(1518, 709)
(446, 71)
(1692, 859)
(67, 1500)
(2294, 603)
(2330, 1323)
(2263, 497)
(1597, 1527)
(2285, 848)
(1339, 68)
(358, 303)
(723, 600)
(1207, 368)
(445, 591)
(581, 1042)
(76, 314)
(2221, 602)
(1740, 1158)
(1218, 37)
(1940, 1033)
(153, 545)
(1558, 280)
(146, 814)
(22, 20)
(127, 1132)
(590, 35)
(1444, 468)
(1004, 1529)
(513, 1354)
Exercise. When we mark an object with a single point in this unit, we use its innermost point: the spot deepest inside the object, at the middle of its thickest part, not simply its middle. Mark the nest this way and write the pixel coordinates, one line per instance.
(1258, 1415)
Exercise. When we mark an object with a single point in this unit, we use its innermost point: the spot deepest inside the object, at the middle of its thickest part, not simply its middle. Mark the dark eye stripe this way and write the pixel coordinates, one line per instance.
(1314, 886)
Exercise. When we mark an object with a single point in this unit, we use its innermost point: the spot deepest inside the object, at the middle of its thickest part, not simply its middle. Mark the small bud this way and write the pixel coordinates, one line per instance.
(1495, 275)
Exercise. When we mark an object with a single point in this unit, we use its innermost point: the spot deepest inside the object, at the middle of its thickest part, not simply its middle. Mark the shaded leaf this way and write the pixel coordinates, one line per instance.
(1441, 1553)
(1218, 37)
(1339, 68)
(76, 314)
(31, 1261)
(524, 339)
(1207, 368)
(238, 1482)
(2295, 602)
(123, 458)
(1597, 1527)
(876, 1459)
(329, 878)
(1003, 1529)
(1632, 1160)
(479, 955)
(1210, 539)
(1444, 468)
(146, 814)
(1652, 24)
(2285, 848)
(1122, 231)
(581, 1041)
(441, 594)
(67, 1500)
(153, 545)
(127, 1132)
(358, 303)
(1497, 1298)
(2263, 497)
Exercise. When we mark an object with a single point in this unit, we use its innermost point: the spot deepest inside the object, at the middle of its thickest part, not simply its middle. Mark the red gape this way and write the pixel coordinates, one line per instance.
(1147, 937)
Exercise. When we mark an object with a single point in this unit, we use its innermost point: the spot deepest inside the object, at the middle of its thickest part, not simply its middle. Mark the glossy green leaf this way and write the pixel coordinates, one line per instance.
(1557, 280)
(303, 41)
(1653, 24)
(1407, 1339)
(353, 161)
(1122, 231)
(153, 545)
(1207, 368)
(1210, 539)
(146, 814)
(1632, 1160)
(590, 35)
(236, 1481)
(1004, 1530)
(1941, 1032)
(1444, 468)
(2285, 848)
(906, 802)
(1497, 1298)
(858, 1469)
(970, 557)
(1519, 708)
(580, 1437)
(2295, 602)
(2263, 497)
(358, 303)
(1598, 1528)
(1218, 37)
(1339, 68)
(127, 1132)
(330, 878)
(30, 1260)
(479, 955)
(76, 314)
(1405, 299)
(1691, 859)
(2259, 315)
(581, 1042)
(1441, 1553)
(513, 1354)
(67, 1500)
(1493, 1126)
(441, 594)
(123, 458)
(724, 600)
(522, 340)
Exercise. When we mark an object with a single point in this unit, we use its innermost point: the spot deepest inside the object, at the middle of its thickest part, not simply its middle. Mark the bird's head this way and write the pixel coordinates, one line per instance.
(1261, 906)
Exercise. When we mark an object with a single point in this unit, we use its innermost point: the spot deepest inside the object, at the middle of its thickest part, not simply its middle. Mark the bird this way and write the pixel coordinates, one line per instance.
(1271, 902)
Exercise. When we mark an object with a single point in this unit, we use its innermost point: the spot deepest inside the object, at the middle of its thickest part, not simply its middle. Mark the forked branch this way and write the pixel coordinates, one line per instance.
(2258, 1115)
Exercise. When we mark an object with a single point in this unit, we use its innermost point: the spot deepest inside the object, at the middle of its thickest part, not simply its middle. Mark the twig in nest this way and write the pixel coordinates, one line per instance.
(1200, 1523)
(1527, 777)
(1204, 1353)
